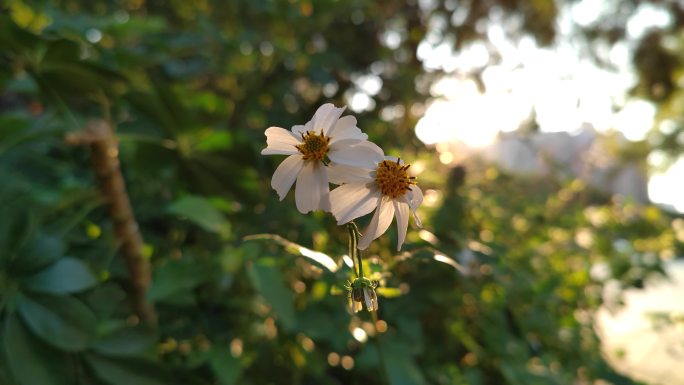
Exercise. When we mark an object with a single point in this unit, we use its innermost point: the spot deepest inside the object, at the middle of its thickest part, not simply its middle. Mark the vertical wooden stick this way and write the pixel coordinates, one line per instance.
(105, 159)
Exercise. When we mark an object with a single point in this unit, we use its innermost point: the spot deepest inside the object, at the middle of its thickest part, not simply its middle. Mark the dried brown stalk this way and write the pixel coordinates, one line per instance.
(104, 147)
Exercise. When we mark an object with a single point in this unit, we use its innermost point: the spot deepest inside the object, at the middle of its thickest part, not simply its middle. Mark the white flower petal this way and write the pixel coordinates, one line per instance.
(353, 200)
(280, 141)
(325, 118)
(370, 298)
(321, 181)
(312, 191)
(414, 198)
(356, 306)
(357, 153)
(269, 151)
(345, 128)
(380, 222)
(298, 130)
(401, 212)
(285, 175)
(339, 174)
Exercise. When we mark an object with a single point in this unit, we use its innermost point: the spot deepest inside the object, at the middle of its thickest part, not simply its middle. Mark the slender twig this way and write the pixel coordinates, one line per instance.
(105, 159)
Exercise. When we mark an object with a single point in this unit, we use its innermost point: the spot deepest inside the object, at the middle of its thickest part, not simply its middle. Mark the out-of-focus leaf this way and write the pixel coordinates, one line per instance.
(105, 298)
(62, 50)
(521, 375)
(30, 361)
(176, 277)
(152, 107)
(67, 275)
(201, 212)
(13, 127)
(399, 364)
(5, 374)
(226, 367)
(322, 259)
(15, 227)
(388, 292)
(217, 140)
(62, 321)
(15, 38)
(125, 342)
(116, 371)
(268, 280)
(39, 252)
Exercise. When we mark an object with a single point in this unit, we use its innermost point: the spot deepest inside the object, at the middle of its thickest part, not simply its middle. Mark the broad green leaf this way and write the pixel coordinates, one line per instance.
(67, 275)
(39, 252)
(105, 299)
(5, 374)
(31, 361)
(201, 212)
(125, 342)
(15, 228)
(176, 277)
(226, 367)
(268, 280)
(62, 321)
(126, 371)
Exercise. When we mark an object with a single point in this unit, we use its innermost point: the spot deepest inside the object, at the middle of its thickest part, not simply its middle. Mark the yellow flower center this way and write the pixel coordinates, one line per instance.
(392, 178)
(315, 146)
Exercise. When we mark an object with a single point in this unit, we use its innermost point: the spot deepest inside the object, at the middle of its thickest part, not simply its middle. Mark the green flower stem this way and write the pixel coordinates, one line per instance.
(354, 251)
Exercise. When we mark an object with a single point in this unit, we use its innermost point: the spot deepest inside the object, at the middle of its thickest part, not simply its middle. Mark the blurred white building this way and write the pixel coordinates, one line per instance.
(585, 155)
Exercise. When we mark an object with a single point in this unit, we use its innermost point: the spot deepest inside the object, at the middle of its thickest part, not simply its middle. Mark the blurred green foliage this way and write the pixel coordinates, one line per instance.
(190, 87)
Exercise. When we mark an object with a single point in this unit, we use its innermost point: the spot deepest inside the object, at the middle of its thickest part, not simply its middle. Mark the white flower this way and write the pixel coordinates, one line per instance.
(327, 136)
(382, 184)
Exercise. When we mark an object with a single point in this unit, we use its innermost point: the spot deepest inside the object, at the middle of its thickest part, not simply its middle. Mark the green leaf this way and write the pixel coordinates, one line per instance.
(5, 374)
(126, 342)
(62, 321)
(268, 280)
(125, 371)
(39, 252)
(176, 277)
(105, 299)
(389, 292)
(226, 367)
(214, 141)
(30, 361)
(201, 212)
(399, 363)
(15, 227)
(67, 275)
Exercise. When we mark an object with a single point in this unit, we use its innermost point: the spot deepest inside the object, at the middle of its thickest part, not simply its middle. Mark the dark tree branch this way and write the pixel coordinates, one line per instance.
(104, 148)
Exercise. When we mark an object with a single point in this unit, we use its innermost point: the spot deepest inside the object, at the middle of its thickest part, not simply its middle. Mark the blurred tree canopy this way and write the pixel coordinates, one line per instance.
(185, 90)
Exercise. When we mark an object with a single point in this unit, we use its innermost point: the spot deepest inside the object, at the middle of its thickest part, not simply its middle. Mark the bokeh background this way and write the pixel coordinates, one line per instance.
(141, 243)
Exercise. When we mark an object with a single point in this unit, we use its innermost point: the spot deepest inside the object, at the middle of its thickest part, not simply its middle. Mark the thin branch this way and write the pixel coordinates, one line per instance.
(104, 147)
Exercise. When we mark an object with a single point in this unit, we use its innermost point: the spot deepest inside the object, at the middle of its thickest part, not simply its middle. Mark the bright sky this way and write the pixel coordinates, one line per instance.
(562, 88)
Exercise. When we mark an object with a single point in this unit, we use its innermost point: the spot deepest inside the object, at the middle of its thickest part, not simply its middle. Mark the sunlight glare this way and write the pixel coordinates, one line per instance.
(661, 186)
(635, 119)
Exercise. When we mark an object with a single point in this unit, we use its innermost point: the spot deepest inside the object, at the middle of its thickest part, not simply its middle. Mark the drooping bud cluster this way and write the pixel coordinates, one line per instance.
(362, 292)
